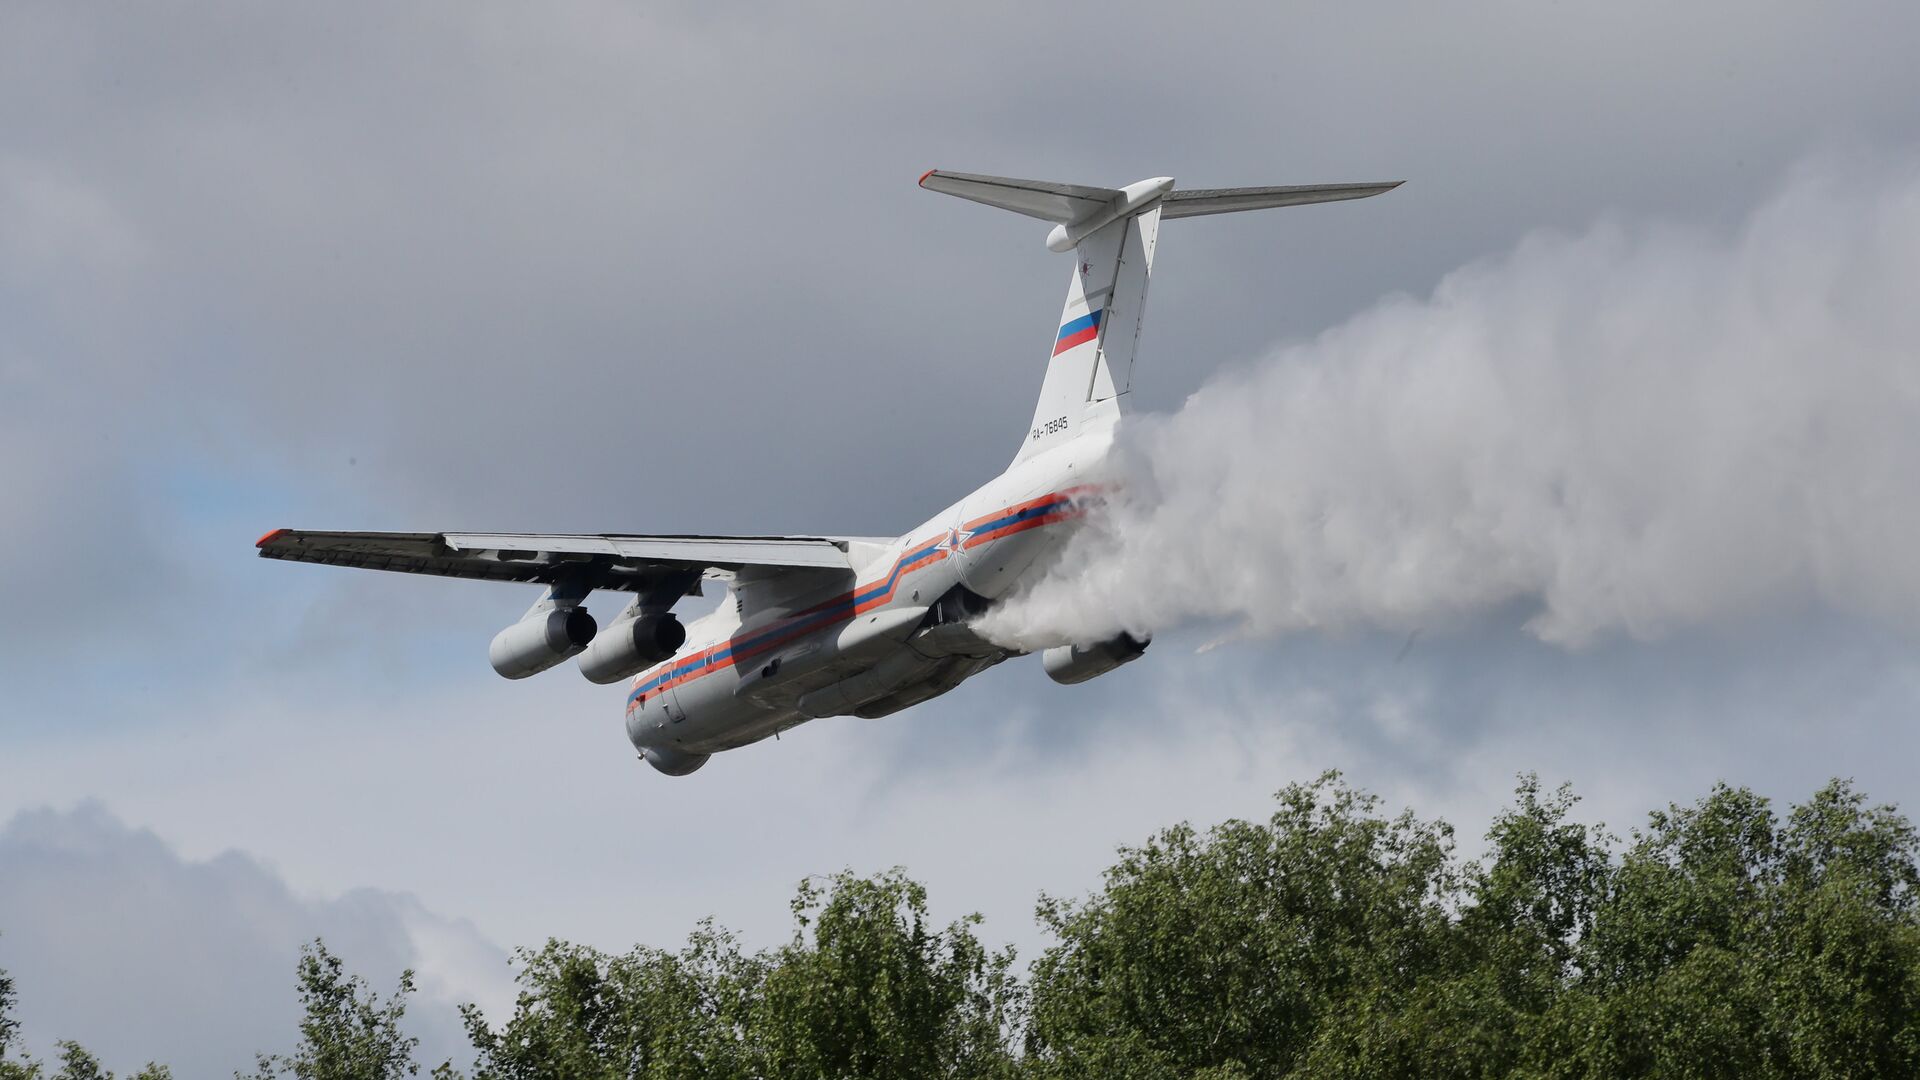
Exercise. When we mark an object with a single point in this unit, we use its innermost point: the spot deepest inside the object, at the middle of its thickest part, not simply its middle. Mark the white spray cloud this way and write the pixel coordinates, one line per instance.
(1631, 430)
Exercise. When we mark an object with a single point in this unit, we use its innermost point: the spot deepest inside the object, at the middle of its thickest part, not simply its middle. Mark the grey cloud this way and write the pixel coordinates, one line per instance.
(116, 941)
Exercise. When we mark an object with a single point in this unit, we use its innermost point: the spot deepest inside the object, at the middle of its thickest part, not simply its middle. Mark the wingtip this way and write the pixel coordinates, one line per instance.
(923, 177)
(269, 537)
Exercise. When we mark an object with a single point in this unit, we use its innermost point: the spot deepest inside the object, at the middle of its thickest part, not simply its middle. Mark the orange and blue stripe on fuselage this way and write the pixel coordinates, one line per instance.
(1032, 514)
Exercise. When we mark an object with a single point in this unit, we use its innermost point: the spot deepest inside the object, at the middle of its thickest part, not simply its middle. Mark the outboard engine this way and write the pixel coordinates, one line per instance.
(541, 640)
(1070, 664)
(631, 646)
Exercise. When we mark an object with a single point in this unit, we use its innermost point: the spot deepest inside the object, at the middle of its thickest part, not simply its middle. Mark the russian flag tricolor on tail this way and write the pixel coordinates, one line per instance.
(1077, 332)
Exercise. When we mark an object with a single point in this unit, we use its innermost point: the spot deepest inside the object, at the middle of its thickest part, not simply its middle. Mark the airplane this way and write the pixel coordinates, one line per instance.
(823, 626)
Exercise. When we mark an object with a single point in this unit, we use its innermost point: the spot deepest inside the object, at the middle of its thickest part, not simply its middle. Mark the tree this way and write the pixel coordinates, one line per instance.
(865, 989)
(583, 1013)
(346, 1032)
(1229, 950)
(1729, 944)
(9, 1032)
(1466, 1004)
(1332, 942)
(1846, 930)
(868, 989)
(77, 1064)
(1672, 977)
(9, 1027)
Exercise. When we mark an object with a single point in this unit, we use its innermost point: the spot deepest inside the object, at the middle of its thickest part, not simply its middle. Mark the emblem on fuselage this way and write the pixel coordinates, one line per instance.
(955, 544)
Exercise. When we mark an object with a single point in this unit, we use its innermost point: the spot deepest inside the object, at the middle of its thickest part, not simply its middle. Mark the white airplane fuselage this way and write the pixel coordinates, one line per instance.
(870, 642)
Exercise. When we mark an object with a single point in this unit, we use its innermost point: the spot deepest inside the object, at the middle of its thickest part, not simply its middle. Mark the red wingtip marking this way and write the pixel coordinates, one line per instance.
(268, 539)
(923, 176)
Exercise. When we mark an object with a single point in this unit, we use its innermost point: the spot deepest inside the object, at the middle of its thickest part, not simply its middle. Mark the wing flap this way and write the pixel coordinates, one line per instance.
(726, 552)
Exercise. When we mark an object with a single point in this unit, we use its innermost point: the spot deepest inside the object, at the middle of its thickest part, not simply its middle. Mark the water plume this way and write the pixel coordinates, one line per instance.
(1642, 427)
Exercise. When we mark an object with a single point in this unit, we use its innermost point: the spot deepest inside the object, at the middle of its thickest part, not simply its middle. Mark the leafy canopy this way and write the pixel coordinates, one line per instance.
(1330, 940)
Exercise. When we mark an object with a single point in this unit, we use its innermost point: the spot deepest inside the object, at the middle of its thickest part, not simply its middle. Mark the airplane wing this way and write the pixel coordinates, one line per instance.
(607, 561)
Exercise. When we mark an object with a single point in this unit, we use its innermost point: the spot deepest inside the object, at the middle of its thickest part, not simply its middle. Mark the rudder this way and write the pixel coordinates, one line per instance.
(1090, 368)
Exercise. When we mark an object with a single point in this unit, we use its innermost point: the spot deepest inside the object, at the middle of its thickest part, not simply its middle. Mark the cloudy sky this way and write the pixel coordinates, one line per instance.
(1612, 405)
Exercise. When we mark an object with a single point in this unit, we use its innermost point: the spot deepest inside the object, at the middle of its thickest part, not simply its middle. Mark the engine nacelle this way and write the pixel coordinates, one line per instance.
(540, 641)
(673, 762)
(631, 646)
(1070, 664)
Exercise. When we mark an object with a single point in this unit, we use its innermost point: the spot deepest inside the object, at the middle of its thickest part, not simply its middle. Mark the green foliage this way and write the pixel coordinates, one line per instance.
(346, 1032)
(1330, 940)
(1498, 946)
(583, 1013)
(1228, 951)
(868, 989)
(9, 1032)
(9, 1027)
(865, 989)
(1731, 944)
(77, 1064)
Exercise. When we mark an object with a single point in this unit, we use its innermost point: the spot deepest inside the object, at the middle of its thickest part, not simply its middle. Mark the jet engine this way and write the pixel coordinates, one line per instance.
(631, 646)
(1070, 664)
(541, 640)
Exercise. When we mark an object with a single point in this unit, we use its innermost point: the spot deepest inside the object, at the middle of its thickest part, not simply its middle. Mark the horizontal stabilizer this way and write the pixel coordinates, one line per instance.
(1201, 201)
(1043, 199)
(1083, 209)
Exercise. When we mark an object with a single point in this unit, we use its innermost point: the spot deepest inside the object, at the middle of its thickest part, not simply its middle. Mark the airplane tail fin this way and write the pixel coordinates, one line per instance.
(1111, 232)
